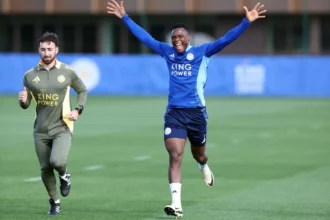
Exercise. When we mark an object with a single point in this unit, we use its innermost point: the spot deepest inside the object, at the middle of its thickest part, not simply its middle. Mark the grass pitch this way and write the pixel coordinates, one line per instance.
(270, 158)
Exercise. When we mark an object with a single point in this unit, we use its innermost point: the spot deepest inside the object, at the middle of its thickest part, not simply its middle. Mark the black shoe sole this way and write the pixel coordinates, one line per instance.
(170, 211)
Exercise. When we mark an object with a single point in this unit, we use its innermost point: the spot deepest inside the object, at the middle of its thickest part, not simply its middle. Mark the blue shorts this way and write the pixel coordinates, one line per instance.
(186, 122)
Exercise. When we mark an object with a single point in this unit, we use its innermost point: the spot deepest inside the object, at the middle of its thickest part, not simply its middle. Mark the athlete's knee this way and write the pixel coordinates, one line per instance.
(57, 163)
(46, 168)
(175, 156)
(200, 158)
(175, 149)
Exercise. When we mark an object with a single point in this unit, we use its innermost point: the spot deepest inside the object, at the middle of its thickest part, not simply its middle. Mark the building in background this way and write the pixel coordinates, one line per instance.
(291, 27)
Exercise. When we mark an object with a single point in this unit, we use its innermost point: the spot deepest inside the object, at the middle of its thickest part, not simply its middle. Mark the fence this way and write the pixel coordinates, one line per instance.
(147, 75)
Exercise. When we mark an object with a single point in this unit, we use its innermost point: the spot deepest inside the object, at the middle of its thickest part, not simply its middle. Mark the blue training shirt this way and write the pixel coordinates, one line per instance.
(187, 70)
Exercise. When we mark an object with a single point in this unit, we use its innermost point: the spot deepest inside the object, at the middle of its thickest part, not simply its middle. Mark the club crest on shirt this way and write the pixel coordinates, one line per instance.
(61, 78)
(190, 56)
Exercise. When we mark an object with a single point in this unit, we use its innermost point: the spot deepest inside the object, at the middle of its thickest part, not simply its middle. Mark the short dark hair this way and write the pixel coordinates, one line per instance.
(181, 25)
(49, 36)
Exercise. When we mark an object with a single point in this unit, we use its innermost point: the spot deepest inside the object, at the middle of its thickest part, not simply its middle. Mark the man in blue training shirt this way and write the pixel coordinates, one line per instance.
(186, 115)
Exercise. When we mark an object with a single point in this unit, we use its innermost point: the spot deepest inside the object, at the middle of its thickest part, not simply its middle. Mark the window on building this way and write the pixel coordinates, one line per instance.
(296, 38)
(206, 29)
(8, 38)
(158, 31)
(287, 36)
(279, 38)
(325, 35)
(68, 41)
(116, 37)
(89, 38)
(134, 46)
(27, 38)
(48, 28)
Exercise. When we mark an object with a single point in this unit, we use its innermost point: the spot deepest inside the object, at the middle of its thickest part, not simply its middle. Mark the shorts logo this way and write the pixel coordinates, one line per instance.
(204, 140)
(167, 131)
(190, 56)
(60, 78)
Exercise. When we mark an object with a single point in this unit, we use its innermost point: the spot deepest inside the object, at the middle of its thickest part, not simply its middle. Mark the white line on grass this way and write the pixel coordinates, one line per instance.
(266, 135)
(142, 158)
(235, 141)
(292, 131)
(95, 167)
(33, 179)
(316, 127)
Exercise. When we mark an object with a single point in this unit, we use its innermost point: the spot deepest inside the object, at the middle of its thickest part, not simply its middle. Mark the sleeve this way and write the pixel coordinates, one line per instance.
(80, 88)
(144, 36)
(29, 96)
(228, 38)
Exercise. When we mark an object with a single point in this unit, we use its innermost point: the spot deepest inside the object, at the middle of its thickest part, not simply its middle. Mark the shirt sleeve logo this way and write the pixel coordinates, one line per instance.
(61, 78)
(190, 56)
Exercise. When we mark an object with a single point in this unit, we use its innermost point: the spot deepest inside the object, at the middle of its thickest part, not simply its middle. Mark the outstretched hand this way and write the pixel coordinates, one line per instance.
(255, 13)
(116, 9)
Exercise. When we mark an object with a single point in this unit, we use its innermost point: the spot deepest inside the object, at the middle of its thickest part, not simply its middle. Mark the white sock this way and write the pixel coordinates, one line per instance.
(202, 167)
(176, 194)
(63, 177)
(57, 201)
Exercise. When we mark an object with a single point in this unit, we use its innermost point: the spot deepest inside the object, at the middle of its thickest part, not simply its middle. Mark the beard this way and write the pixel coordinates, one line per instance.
(48, 60)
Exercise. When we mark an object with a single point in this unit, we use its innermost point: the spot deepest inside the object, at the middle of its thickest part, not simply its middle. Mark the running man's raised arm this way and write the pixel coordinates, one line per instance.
(228, 38)
(143, 35)
(233, 34)
(119, 10)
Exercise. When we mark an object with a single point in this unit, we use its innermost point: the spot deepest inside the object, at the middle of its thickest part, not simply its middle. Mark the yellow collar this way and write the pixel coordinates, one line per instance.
(57, 64)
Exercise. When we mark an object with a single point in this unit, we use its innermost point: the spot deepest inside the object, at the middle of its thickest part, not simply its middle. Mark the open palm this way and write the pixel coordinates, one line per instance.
(255, 13)
(116, 9)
